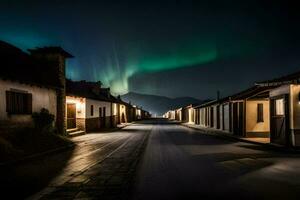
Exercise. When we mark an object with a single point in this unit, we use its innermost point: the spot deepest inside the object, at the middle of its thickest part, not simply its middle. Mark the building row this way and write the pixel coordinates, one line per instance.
(35, 80)
(269, 111)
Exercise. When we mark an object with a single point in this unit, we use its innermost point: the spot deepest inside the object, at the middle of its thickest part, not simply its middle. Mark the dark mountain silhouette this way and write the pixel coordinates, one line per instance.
(158, 104)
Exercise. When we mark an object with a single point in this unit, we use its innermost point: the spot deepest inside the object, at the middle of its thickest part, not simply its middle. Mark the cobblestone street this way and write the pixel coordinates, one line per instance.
(109, 178)
(101, 164)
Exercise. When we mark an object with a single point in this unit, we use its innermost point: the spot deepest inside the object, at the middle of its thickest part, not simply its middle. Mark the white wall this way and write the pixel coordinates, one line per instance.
(178, 113)
(97, 104)
(215, 116)
(80, 105)
(138, 113)
(295, 107)
(202, 116)
(123, 112)
(114, 109)
(191, 115)
(41, 98)
(221, 117)
(295, 113)
(172, 114)
(226, 117)
(251, 116)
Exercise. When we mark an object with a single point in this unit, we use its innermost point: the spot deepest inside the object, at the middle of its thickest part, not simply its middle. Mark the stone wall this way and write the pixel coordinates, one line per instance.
(80, 124)
(92, 124)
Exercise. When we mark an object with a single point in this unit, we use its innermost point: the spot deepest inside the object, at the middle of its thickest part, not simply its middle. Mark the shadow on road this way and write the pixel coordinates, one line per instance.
(22, 180)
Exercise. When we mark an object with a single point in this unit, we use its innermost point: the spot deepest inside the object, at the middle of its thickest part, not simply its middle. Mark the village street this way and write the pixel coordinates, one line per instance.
(98, 162)
(176, 163)
(181, 163)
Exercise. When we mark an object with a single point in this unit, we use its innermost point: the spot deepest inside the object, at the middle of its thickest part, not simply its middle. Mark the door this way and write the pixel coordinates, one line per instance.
(212, 117)
(279, 127)
(238, 118)
(71, 115)
(100, 117)
(218, 117)
(104, 116)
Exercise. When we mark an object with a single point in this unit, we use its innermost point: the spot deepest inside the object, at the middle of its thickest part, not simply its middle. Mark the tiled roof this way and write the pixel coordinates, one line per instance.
(92, 90)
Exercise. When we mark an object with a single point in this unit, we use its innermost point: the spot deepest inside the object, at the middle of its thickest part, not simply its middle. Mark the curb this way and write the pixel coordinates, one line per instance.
(227, 136)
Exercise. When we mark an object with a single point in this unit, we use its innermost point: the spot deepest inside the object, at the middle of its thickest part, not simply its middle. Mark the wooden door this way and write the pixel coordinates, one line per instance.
(71, 116)
(238, 118)
(279, 125)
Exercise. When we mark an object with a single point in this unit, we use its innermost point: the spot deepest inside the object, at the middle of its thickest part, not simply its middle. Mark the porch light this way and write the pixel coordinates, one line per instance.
(80, 105)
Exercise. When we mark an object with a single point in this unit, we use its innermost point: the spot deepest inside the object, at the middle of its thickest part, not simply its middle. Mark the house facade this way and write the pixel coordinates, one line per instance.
(188, 114)
(89, 107)
(25, 88)
(285, 109)
(269, 110)
(178, 114)
(35, 80)
(245, 114)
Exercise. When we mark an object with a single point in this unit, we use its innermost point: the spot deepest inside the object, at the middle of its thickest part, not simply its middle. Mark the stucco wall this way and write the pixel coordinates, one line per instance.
(97, 104)
(202, 117)
(41, 98)
(215, 116)
(226, 117)
(295, 114)
(251, 116)
(191, 115)
(80, 105)
(221, 117)
(295, 106)
(123, 113)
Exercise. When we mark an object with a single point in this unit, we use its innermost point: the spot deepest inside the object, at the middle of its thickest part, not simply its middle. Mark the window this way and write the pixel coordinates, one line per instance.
(279, 107)
(260, 112)
(18, 102)
(92, 110)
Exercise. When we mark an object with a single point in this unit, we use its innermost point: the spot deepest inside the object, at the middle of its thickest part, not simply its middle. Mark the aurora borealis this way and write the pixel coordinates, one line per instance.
(174, 48)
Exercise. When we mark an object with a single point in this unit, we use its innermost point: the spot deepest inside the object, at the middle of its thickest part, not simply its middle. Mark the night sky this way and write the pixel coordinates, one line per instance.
(175, 48)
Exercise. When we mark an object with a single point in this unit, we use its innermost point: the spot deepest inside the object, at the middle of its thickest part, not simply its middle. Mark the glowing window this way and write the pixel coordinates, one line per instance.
(279, 106)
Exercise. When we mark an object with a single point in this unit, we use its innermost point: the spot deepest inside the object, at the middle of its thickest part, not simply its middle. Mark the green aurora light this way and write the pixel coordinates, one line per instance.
(149, 61)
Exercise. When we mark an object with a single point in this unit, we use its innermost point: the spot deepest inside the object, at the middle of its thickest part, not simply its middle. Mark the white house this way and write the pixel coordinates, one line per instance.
(30, 82)
(89, 107)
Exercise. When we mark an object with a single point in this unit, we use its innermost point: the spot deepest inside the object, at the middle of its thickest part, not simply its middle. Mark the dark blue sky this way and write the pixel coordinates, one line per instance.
(174, 48)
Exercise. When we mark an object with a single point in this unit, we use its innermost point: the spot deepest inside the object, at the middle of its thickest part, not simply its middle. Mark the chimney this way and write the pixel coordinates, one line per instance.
(55, 58)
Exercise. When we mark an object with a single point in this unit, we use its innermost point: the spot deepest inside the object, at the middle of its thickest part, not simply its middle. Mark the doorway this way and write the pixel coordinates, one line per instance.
(71, 115)
(279, 124)
(238, 118)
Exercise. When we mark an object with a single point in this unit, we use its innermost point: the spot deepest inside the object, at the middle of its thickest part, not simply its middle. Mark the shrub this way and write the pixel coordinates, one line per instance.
(43, 120)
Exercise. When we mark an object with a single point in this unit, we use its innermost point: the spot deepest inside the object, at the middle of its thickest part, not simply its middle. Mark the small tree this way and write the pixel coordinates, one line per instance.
(43, 120)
